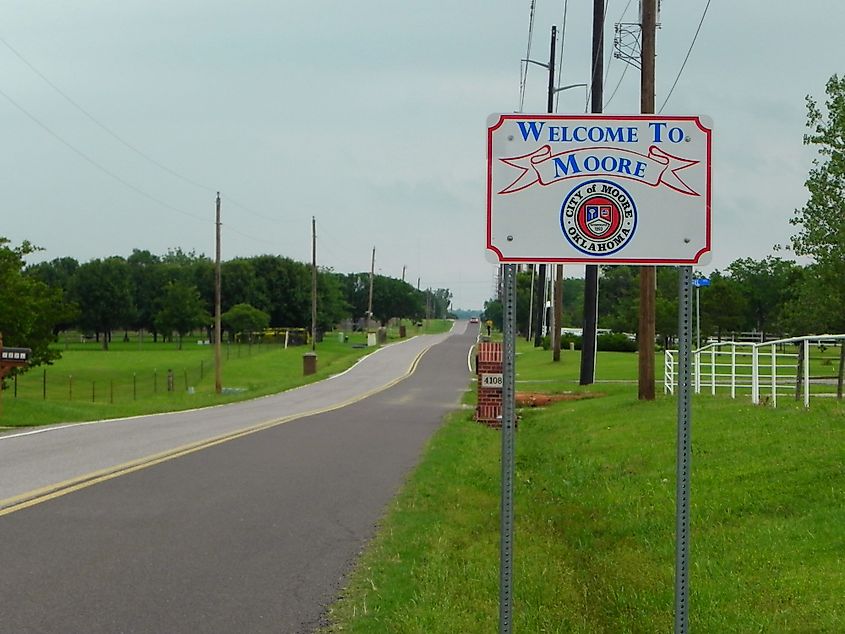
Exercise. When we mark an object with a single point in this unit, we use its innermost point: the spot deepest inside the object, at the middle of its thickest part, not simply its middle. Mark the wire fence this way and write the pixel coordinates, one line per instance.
(107, 385)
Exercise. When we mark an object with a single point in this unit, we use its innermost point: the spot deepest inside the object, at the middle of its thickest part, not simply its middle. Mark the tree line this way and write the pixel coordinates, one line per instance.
(770, 296)
(173, 294)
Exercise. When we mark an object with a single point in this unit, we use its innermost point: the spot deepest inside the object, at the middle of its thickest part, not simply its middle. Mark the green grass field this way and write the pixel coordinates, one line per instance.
(131, 378)
(594, 507)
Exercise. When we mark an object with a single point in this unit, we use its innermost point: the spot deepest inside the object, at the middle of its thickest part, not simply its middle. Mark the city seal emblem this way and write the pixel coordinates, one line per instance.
(598, 217)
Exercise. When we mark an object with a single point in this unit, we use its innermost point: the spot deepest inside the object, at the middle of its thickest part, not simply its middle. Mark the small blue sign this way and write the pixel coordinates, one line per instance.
(701, 281)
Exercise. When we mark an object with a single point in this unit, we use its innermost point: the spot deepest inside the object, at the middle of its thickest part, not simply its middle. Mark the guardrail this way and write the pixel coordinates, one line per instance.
(768, 370)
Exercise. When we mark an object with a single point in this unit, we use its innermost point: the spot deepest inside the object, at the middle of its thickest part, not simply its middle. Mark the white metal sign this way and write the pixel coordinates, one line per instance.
(598, 189)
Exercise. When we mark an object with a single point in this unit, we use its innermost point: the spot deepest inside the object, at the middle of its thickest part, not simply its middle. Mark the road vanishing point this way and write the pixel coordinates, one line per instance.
(238, 518)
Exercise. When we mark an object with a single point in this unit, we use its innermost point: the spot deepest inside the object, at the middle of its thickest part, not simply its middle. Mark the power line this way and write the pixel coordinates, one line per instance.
(593, 67)
(624, 70)
(524, 75)
(113, 175)
(91, 161)
(101, 125)
(123, 141)
(618, 83)
(560, 56)
(694, 37)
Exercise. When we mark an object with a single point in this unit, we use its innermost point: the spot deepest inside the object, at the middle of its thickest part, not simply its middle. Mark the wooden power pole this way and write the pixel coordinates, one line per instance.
(370, 300)
(591, 271)
(313, 283)
(218, 381)
(540, 298)
(648, 274)
(558, 295)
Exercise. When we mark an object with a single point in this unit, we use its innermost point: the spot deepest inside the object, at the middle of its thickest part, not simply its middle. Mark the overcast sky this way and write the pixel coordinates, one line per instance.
(370, 116)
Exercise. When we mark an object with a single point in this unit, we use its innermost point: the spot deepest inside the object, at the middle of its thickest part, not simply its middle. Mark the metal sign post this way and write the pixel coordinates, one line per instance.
(598, 189)
(508, 428)
(682, 483)
(698, 283)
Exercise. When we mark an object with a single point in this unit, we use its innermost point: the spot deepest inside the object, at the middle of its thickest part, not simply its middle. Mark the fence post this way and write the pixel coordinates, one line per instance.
(733, 370)
(134, 386)
(755, 375)
(44, 386)
(696, 369)
(713, 371)
(799, 366)
(93, 392)
(70, 387)
(774, 376)
(807, 373)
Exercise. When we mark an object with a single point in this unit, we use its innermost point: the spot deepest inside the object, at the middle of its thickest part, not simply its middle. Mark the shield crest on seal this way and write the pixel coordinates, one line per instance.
(599, 218)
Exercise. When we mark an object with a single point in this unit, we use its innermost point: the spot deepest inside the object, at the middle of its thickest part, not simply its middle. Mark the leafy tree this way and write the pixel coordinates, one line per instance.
(821, 221)
(332, 306)
(618, 298)
(182, 310)
(148, 278)
(722, 306)
(103, 289)
(240, 285)
(59, 274)
(812, 310)
(494, 312)
(245, 318)
(573, 301)
(287, 286)
(766, 285)
(441, 300)
(29, 308)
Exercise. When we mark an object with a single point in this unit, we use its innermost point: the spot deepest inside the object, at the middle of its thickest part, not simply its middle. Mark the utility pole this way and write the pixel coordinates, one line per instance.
(218, 381)
(648, 274)
(541, 272)
(591, 271)
(530, 329)
(370, 300)
(313, 283)
(558, 294)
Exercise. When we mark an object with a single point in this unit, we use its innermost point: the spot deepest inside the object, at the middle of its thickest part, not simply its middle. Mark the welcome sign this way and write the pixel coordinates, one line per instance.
(598, 189)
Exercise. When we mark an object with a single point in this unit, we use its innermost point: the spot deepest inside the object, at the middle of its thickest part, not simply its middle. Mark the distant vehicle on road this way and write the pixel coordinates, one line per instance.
(473, 320)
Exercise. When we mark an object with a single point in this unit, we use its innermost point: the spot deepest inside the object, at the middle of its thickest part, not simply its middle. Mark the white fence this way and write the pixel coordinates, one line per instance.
(768, 370)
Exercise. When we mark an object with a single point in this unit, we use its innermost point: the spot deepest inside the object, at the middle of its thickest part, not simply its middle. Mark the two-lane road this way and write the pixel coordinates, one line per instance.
(250, 534)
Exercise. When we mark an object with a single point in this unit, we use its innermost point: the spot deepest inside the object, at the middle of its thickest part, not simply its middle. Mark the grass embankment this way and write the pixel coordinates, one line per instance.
(595, 506)
(131, 378)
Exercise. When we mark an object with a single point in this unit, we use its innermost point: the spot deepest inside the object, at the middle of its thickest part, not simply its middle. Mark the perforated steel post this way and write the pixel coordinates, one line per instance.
(508, 428)
(683, 458)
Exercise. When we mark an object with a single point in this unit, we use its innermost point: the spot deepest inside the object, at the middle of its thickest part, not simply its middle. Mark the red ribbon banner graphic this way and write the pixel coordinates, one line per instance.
(656, 168)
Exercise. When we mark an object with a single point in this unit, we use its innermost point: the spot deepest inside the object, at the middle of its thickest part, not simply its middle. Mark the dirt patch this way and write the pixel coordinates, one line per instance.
(539, 399)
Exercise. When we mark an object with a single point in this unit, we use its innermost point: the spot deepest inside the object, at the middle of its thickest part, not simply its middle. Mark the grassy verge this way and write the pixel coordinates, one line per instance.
(131, 378)
(595, 503)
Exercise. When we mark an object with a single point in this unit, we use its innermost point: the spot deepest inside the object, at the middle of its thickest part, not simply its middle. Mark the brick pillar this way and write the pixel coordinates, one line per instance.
(489, 367)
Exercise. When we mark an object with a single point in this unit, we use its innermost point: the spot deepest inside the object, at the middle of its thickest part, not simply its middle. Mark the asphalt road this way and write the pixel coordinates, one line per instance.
(252, 533)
